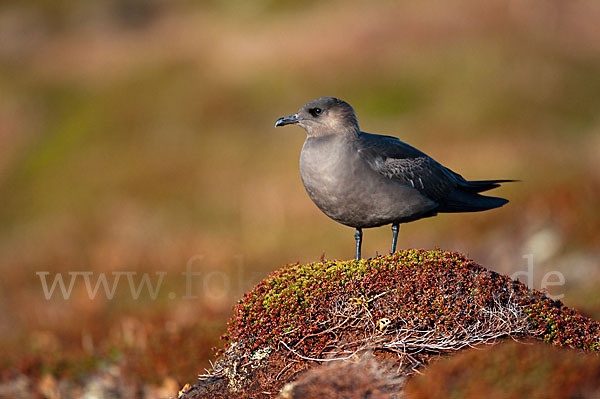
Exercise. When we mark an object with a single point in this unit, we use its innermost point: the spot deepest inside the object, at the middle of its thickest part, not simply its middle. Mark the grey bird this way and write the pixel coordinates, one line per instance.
(367, 180)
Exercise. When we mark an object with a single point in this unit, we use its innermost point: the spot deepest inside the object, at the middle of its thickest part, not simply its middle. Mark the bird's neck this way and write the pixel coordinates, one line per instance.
(346, 131)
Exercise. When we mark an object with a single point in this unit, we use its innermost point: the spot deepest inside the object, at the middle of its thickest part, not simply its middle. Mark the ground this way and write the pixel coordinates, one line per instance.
(406, 309)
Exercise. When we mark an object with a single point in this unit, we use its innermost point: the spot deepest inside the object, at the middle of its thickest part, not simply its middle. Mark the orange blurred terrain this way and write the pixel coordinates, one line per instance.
(137, 145)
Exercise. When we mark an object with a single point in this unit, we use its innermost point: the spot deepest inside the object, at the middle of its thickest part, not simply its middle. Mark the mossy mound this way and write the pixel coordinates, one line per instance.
(429, 289)
(407, 307)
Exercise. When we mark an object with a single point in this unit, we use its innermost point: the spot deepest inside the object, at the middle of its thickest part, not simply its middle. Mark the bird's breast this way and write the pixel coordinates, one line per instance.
(349, 191)
(338, 181)
(327, 168)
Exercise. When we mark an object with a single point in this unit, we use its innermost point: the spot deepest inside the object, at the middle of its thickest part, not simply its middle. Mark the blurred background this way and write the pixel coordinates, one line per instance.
(137, 136)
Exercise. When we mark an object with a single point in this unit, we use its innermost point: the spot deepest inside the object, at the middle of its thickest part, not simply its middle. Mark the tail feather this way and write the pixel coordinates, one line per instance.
(468, 201)
(478, 186)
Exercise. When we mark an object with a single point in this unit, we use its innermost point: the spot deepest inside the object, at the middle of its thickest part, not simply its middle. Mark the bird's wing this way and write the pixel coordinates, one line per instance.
(397, 160)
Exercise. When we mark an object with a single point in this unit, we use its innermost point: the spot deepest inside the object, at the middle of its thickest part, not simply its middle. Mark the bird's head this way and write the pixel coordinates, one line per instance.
(322, 117)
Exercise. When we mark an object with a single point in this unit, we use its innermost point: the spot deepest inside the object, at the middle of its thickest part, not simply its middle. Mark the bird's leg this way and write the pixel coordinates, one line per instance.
(395, 229)
(358, 238)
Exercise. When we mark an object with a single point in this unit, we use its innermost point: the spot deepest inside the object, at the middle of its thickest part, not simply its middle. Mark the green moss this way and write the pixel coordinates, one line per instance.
(296, 287)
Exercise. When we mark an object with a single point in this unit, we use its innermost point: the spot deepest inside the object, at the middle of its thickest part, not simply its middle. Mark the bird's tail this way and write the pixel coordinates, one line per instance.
(478, 186)
(469, 201)
(466, 197)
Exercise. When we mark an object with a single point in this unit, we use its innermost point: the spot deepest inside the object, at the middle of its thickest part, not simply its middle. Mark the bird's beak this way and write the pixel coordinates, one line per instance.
(287, 120)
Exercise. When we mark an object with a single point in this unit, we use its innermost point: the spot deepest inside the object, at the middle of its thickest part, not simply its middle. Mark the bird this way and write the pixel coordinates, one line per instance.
(364, 180)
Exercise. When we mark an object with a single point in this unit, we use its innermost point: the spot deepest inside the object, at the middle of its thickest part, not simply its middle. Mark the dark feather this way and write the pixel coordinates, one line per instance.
(397, 160)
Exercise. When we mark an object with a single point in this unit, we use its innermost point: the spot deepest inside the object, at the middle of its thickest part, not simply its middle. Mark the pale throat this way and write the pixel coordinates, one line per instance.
(331, 126)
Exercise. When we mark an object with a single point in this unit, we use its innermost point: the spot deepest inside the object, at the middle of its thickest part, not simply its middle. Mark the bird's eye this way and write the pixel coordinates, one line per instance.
(315, 111)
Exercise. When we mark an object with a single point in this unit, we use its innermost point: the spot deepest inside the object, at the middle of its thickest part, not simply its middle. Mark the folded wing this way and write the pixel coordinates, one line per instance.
(399, 161)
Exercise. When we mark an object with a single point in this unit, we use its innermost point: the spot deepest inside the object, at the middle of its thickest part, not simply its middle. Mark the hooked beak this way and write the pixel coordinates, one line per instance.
(287, 120)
